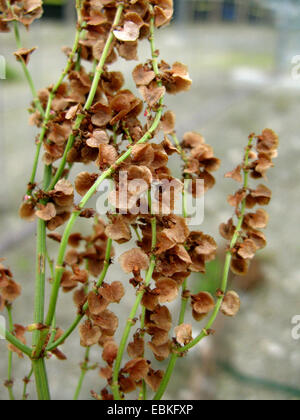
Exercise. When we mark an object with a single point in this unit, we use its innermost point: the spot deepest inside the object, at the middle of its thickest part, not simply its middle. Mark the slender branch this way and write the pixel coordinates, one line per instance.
(130, 322)
(53, 333)
(90, 99)
(40, 279)
(10, 382)
(38, 366)
(184, 301)
(15, 342)
(79, 317)
(227, 260)
(66, 334)
(23, 65)
(204, 333)
(84, 369)
(26, 381)
(80, 26)
(41, 253)
(143, 392)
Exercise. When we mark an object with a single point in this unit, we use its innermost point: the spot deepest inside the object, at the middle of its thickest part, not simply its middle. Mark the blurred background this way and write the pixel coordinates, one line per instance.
(242, 56)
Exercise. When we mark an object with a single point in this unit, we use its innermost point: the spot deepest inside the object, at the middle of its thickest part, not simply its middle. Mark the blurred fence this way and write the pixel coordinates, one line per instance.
(221, 10)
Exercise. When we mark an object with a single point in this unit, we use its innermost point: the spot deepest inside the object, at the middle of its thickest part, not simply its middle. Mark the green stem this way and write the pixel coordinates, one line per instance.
(184, 301)
(169, 372)
(15, 342)
(143, 392)
(84, 369)
(41, 379)
(26, 382)
(10, 358)
(39, 303)
(166, 379)
(130, 322)
(41, 254)
(52, 96)
(25, 69)
(90, 99)
(103, 58)
(227, 260)
(53, 332)
(205, 333)
(77, 320)
(40, 279)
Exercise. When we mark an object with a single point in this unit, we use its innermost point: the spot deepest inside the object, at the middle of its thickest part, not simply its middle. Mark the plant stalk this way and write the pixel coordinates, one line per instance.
(41, 380)
(84, 369)
(90, 99)
(10, 358)
(130, 322)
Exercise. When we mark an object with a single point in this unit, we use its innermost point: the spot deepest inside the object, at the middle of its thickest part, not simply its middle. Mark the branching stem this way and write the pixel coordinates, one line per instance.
(205, 331)
(84, 369)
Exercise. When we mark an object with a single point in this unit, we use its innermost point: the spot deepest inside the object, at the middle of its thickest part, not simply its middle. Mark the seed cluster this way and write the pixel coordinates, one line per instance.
(90, 117)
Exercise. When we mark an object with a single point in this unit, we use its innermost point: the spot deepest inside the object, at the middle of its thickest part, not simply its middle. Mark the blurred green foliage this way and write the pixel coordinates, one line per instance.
(210, 281)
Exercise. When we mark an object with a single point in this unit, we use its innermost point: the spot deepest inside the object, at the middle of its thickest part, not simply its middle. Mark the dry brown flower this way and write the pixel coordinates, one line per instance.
(19, 332)
(27, 211)
(113, 292)
(163, 12)
(176, 78)
(231, 304)
(168, 290)
(137, 369)
(136, 348)
(154, 378)
(161, 318)
(227, 230)
(119, 230)
(183, 334)
(46, 212)
(89, 334)
(257, 220)
(143, 75)
(134, 260)
(261, 196)
(247, 249)
(168, 122)
(152, 94)
(23, 54)
(110, 352)
(162, 352)
(97, 303)
(84, 181)
(11, 291)
(129, 32)
(239, 265)
(202, 304)
(107, 321)
(235, 174)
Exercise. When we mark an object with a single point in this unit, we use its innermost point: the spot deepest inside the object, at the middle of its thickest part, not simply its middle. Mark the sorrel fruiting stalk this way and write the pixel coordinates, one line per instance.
(89, 117)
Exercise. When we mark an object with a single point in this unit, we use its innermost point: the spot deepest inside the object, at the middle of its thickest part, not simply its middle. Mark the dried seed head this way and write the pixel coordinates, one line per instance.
(110, 352)
(134, 260)
(46, 212)
(137, 369)
(183, 334)
(168, 290)
(89, 334)
(202, 304)
(231, 304)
